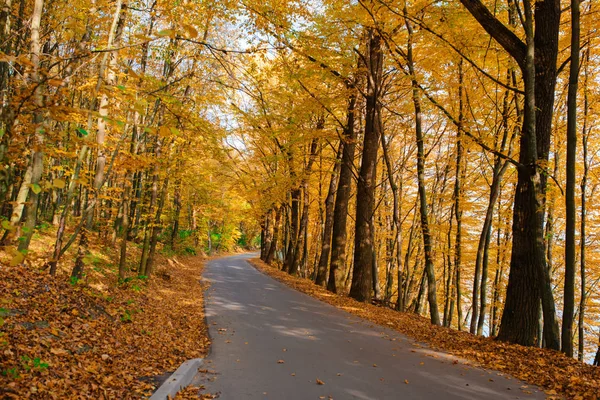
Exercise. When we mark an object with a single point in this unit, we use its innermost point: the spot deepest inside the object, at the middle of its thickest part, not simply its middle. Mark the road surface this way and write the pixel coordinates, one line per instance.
(272, 342)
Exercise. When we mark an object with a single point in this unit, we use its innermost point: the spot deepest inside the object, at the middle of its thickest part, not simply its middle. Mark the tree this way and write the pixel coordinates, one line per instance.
(362, 275)
(529, 280)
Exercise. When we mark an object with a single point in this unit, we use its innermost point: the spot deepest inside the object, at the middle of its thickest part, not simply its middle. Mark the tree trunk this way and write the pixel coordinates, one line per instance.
(429, 266)
(396, 248)
(321, 276)
(362, 275)
(529, 279)
(498, 171)
(582, 233)
(156, 228)
(569, 286)
(337, 265)
(293, 230)
(124, 229)
(109, 67)
(37, 155)
(177, 204)
(151, 208)
(298, 252)
(273, 247)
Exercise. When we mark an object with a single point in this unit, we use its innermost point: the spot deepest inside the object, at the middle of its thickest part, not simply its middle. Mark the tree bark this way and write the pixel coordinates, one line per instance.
(273, 247)
(37, 156)
(582, 230)
(321, 276)
(298, 252)
(529, 279)
(569, 286)
(337, 265)
(362, 275)
(429, 266)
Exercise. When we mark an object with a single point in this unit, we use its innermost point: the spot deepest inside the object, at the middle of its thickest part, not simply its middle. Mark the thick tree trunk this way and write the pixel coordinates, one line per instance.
(362, 275)
(337, 268)
(529, 278)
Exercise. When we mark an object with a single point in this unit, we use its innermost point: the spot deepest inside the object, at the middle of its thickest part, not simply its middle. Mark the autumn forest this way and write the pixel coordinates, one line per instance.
(431, 157)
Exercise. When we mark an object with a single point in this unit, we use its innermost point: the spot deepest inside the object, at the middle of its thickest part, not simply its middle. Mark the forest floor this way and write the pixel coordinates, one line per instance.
(557, 374)
(96, 338)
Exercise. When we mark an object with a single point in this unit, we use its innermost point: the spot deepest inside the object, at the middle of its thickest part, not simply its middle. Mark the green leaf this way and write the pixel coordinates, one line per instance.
(121, 87)
(35, 188)
(6, 225)
(82, 131)
(175, 131)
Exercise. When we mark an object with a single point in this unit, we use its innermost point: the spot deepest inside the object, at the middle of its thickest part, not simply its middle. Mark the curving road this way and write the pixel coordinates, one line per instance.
(271, 342)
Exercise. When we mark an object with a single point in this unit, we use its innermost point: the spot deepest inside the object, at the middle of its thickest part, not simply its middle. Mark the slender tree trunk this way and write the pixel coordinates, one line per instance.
(37, 155)
(569, 286)
(109, 67)
(124, 230)
(65, 213)
(177, 214)
(429, 266)
(156, 228)
(321, 276)
(498, 171)
(396, 247)
(142, 269)
(273, 247)
(294, 229)
(583, 217)
(298, 252)
(449, 275)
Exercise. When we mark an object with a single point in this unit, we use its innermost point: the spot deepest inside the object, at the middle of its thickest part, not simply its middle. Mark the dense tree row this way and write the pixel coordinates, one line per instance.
(108, 131)
(435, 157)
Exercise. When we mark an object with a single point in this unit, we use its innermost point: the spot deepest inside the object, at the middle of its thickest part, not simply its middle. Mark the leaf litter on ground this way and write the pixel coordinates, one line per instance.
(60, 339)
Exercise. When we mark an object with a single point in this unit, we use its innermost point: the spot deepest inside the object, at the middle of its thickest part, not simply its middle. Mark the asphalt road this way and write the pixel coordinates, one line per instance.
(271, 342)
